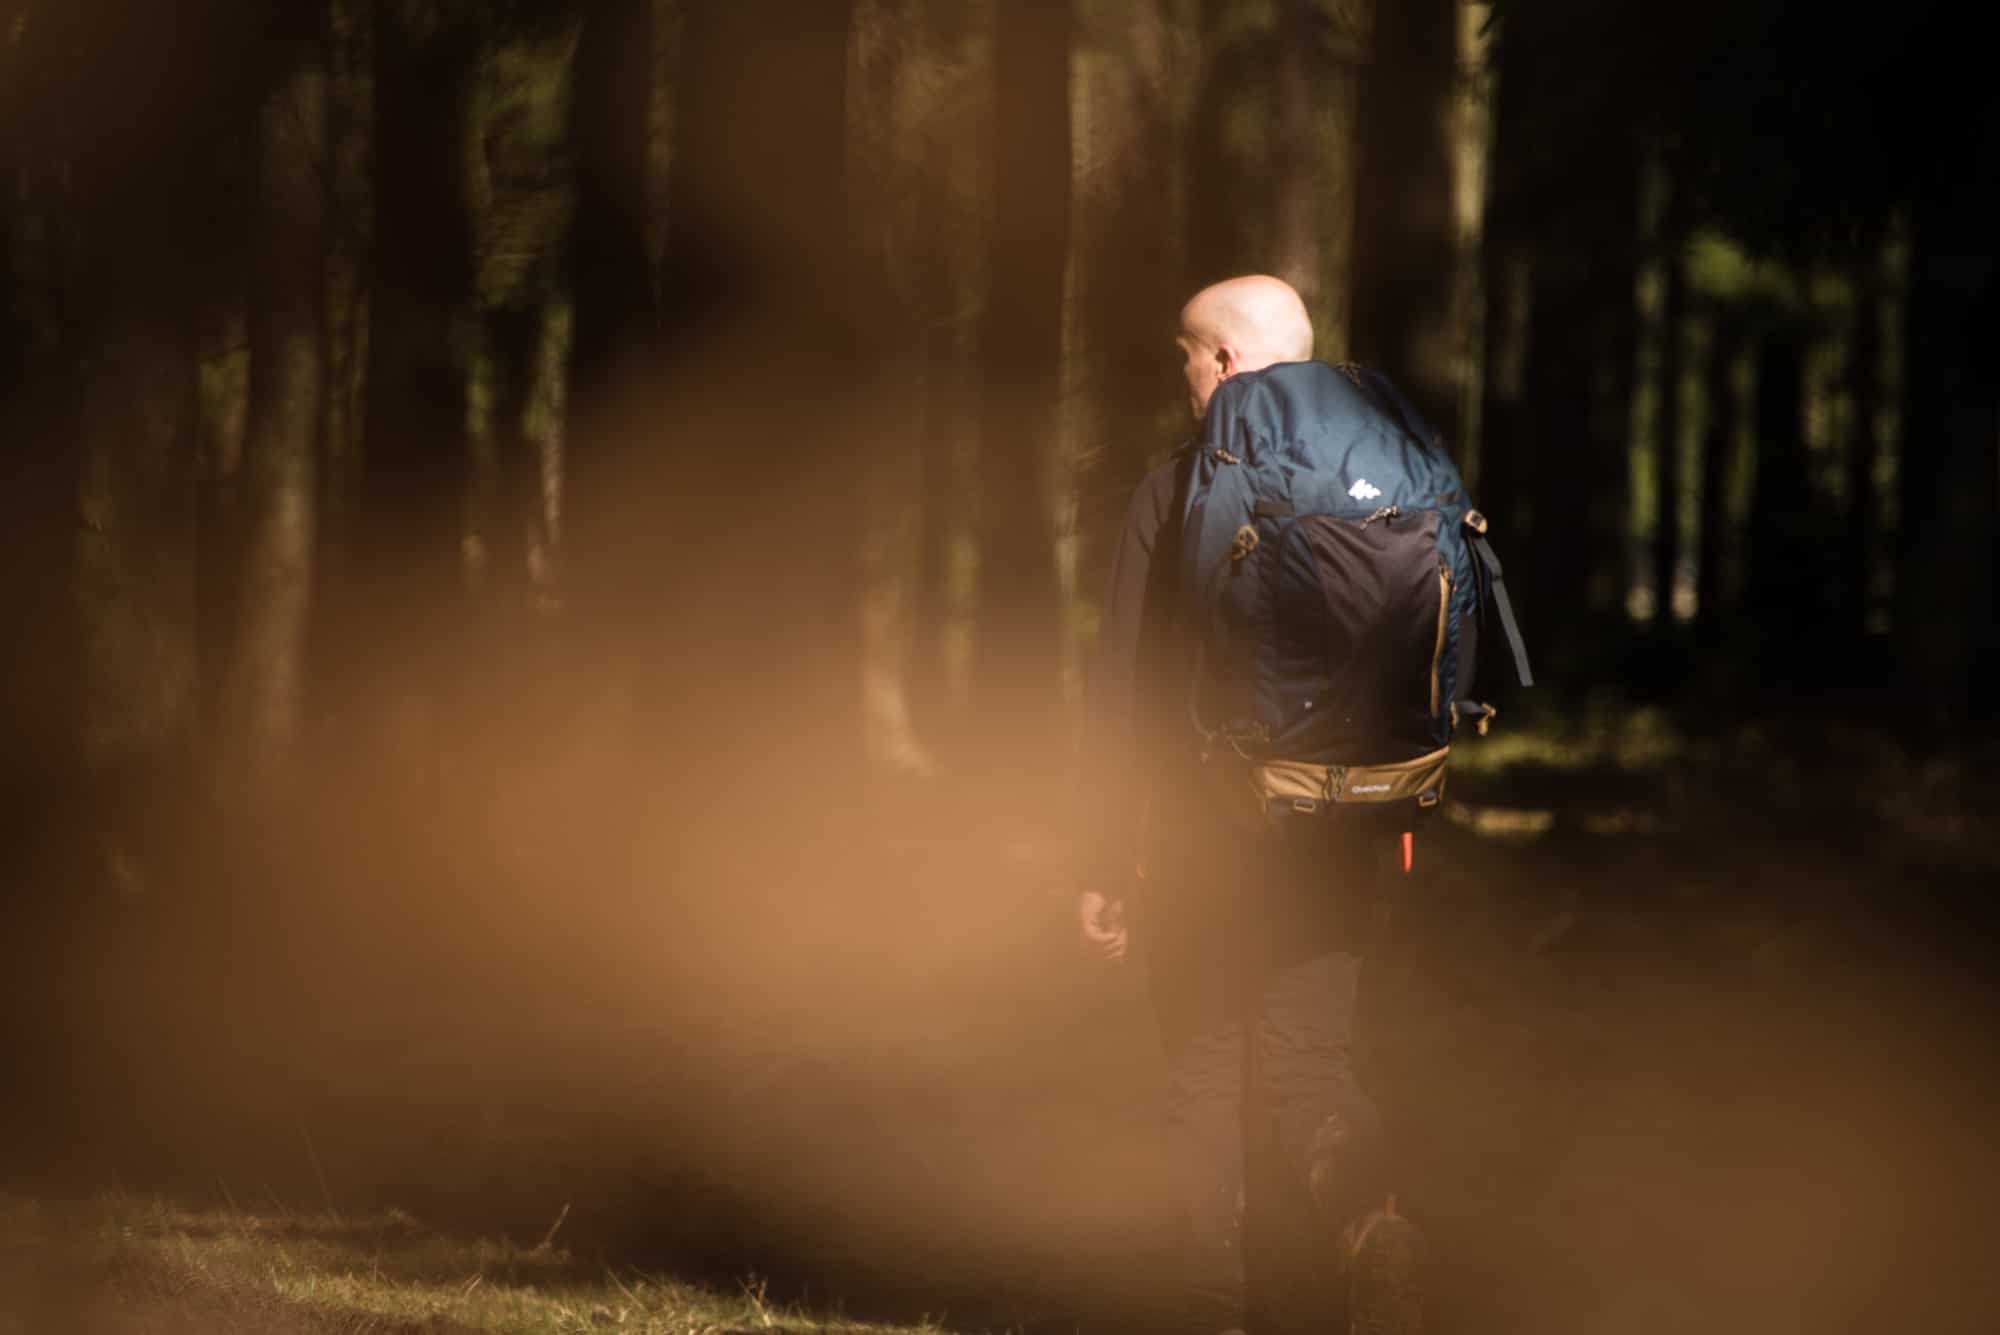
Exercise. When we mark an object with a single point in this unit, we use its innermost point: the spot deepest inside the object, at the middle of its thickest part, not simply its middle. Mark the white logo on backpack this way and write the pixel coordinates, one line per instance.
(1363, 490)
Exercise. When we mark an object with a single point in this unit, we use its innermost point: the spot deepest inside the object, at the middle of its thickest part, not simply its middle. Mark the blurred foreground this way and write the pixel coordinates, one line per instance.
(1675, 1034)
(546, 591)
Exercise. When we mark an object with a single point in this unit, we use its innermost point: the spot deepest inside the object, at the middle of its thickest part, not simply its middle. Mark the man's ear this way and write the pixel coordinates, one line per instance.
(1227, 362)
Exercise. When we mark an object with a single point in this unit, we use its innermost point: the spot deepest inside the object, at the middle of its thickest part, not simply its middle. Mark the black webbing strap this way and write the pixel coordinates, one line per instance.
(1271, 510)
(1506, 608)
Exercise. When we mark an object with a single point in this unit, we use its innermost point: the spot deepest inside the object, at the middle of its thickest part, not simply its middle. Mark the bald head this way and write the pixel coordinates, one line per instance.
(1243, 324)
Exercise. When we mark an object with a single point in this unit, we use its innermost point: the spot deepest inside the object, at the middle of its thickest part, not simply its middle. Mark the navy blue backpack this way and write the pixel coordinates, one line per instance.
(1336, 574)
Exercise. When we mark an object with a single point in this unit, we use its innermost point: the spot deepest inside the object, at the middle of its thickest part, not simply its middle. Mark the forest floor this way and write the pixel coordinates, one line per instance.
(124, 1266)
(1674, 1033)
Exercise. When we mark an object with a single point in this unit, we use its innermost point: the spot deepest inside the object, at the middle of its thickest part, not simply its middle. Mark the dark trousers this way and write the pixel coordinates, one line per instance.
(1254, 961)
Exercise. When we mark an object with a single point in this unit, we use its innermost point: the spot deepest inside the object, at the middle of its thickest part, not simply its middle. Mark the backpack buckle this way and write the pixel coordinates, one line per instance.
(1244, 543)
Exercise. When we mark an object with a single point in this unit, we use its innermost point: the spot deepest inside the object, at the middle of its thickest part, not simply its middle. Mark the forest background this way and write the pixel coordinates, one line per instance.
(551, 547)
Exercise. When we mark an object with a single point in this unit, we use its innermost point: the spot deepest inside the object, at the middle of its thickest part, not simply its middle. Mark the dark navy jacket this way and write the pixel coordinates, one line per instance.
(1136, 683)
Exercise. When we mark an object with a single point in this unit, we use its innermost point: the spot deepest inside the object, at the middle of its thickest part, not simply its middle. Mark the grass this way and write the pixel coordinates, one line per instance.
(1616, 768)
(148, 1266)
(1608, 734)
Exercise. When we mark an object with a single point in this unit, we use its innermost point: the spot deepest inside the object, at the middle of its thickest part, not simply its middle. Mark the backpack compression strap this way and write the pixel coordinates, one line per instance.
(1501, 602)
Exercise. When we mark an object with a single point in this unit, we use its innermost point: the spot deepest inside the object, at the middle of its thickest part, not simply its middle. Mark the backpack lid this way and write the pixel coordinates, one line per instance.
(1313, 437)
(1313, 416)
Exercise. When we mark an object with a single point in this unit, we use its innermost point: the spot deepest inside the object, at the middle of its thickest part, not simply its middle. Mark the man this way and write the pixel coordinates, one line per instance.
(1251, 946)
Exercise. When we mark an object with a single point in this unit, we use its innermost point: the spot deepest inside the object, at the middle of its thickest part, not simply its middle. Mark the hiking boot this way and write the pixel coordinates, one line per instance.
(1384, 1255)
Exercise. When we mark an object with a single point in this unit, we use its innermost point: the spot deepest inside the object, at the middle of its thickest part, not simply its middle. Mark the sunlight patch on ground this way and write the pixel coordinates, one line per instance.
(387, 1269)
(1602, 734)
(1501, 822)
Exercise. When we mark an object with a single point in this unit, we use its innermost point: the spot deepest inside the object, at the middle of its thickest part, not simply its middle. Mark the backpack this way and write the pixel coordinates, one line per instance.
(1335, 575)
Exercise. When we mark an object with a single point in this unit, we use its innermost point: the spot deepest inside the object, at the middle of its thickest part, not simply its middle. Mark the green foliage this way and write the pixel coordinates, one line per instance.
(1720, 269)
(520, 103)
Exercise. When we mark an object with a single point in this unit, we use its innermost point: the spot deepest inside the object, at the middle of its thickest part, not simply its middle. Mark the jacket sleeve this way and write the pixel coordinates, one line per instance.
(1119, 700)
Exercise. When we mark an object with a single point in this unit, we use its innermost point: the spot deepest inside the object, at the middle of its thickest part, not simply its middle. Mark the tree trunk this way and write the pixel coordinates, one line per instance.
(1779, 594)
(1667, 418)
(513, 522)
(945, 271)
(1864, 454)
(750, 543)
(1016, 686)
(1406, 236)
(1298, 243)
(936, 705)
(1614, 370)
(1718, 440)
(39, 483)
(1560, 245)
(1574, 422)
(137, 187)
(1507, 265)
(1130, 271)
(1213, 226)
(38, 458)
(344, 331)
(611, 272)
(264, 699)
(1551, 544)
(1315, 75)
(409, 525)
(1947, 459)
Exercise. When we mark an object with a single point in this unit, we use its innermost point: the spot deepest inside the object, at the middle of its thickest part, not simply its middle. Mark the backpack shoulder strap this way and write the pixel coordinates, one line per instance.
(1475, 524)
